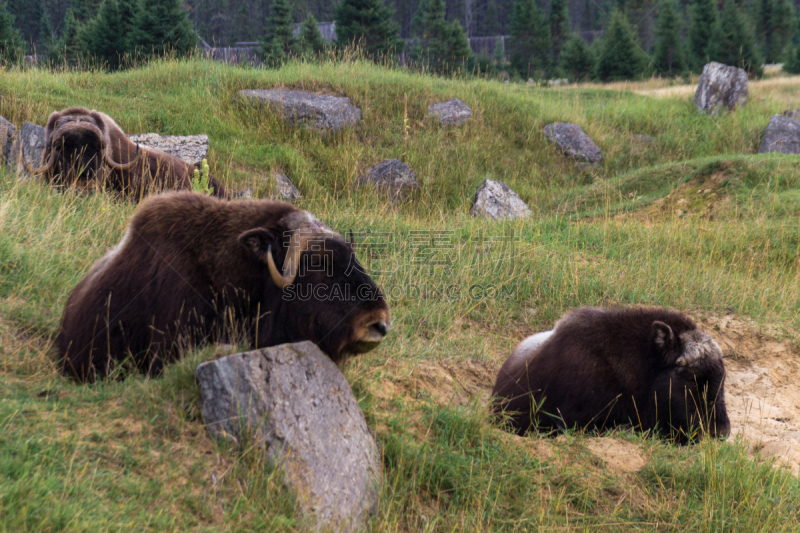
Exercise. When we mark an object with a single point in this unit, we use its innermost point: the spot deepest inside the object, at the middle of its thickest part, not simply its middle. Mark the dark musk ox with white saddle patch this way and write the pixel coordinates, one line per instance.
(192, 269)
(88, 150)
(648, 368)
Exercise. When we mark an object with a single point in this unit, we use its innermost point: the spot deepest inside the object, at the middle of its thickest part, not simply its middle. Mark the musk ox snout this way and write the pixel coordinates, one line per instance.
(648, 368)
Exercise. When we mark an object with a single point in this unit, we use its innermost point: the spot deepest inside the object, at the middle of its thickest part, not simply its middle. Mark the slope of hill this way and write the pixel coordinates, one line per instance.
(692, 220)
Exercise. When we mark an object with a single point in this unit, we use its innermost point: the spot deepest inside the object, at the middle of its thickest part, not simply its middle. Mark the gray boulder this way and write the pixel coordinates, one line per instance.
(496, 200)
(190, 148)
(31, 140)
(278, 186)
(294, 401)
(782, 136)
(393, 177)
(7, 134)
(453, 112)
(319, 112)
(720, 87)
(574, 142)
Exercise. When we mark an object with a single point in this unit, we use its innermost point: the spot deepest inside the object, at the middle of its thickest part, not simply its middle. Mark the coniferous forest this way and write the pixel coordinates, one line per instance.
(576, 39)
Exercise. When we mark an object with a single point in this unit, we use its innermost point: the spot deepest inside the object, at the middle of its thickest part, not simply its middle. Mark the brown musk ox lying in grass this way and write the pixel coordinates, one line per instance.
(88, 150)
(191, 269)
(649, 368)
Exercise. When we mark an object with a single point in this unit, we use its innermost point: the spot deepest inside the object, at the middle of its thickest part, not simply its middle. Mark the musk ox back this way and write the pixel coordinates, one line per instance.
(87, 149)
(191, 268)
(649, 368)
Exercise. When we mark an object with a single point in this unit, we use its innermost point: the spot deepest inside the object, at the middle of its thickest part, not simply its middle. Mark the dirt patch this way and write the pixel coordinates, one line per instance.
(618, 455)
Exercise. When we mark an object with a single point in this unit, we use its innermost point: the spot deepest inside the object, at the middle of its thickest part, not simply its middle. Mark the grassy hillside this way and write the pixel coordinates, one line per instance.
(693, 220)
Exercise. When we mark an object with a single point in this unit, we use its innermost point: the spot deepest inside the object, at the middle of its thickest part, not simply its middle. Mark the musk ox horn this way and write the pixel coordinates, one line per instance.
(40, 170)
(280, 280)
(119, 166)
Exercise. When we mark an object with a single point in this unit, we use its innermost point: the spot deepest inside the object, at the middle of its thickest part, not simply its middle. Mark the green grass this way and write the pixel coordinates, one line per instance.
(133, 454)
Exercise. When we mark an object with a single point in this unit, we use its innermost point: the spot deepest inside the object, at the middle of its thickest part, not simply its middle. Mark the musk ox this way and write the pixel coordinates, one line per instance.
(650, 368)
(88, 149)
(191, 268)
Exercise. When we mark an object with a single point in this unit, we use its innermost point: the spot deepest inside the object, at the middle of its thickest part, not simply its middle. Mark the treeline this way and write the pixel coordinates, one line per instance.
(682, 36)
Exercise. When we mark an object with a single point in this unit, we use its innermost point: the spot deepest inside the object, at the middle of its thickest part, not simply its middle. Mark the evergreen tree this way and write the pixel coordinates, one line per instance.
(70, 49)
(733, 42)
(775, 27)
(311, 40)
(559, 28)
(128, 11)
(577, 59)
(367, 22)
(458, 49)
(530, 39)
(703, 20)
(668, 57)
(621, 57)
(10, 40)
(278, 43)
(161, 27)
(792, 64)
(435, 34)
(105, 37)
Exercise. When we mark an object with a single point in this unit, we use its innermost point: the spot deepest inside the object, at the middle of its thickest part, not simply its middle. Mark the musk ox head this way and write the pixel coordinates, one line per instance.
(648, 368)
(82, 145)
(327, 294)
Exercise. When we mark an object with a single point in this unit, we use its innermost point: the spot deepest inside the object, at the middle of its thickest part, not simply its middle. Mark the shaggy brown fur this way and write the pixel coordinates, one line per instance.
(88, 150)
(191, 268)
(647, 367)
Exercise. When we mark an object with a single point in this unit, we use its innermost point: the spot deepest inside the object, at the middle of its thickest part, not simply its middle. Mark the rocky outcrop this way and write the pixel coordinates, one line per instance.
(31, 140)
(574, 142)
(720, 87)
(294, 401)
(453, 112)
(190, 148)
(496, 200)
(782, 136)
(392, 177)
(319, 112)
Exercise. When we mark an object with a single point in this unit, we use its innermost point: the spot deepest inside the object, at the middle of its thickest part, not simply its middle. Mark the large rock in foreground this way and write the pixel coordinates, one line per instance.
(782, 136)
(393, 177)
(293, 400)
(453, 112)
(720, 87)
(7, 134)
(574, 142)
(190, 148)
(317, 111)
(496, 200)
(31, 140)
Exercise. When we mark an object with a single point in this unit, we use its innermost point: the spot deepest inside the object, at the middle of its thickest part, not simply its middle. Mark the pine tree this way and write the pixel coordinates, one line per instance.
(703, 20)
(458, 49)
(530, 39)
(71, 48)
(435, 35)
(278, 43)
(559, 28)
(775, 26)
(733, 42)
(792, 64)
(161, 27)
(311, 41)
(577, 60)
(128, 11)
(621, 57)
(369, 23)
(668, 57)
(105, 37)
(10, 40)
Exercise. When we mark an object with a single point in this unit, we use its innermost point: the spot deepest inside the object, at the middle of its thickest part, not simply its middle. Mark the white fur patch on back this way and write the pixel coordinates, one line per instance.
(104, 261)
(697, 346)
(527, 347)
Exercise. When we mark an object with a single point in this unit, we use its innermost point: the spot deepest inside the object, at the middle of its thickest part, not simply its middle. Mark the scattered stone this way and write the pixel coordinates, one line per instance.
(453, 112)
(642, 139)
(392, 176)
(190, 148)
(574, 142)
(557, 82)
(317, 111)
(791, 113)
(721, 86)
(782, 136)
(31, 140)
(278, 186)
(7, 133)
(294, 401)
(496, 200)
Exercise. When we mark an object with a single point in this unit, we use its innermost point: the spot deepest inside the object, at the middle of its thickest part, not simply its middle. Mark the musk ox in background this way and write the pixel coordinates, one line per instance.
(192, 268)
(649, 368)
(88, 149)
